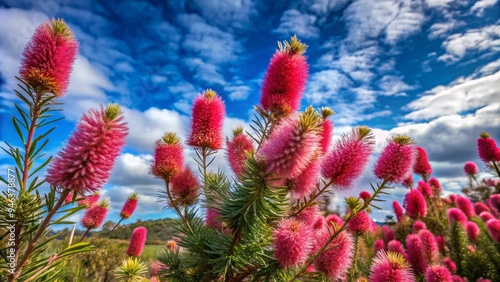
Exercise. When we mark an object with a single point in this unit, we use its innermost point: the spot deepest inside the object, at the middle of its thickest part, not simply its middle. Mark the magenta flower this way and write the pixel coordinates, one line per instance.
(492, 182)
(212, 219)
(48, 58)
(95, 215)
(457, 215)
(429, 246)
(387, 233)
(448, 263)
(485, 216)
(319, 223)
(480, 207)
(309, 215)
(291, 146)
(90, 200)
(434, 183)
(137, 241)
(285, 79)
(168, 157)
(397, 247)
(422, 165)
(415, 204)
(129, 206)
(437, 273)
(440, 243)
(471, 169)
(237, 148)
(335, 219)
(398, 210)
(487, 148)
(207, 122)
(425, 189)
(336, 261)
(408, 182)
(495, 201)
(85, 162)
(378, 245)
(292, 242)
(305, 183)
(465, 205)
(418, 225)
(327, 132)
(493, 226)
(472, 231)
(456, 278)
(396, 160)
(390, 267)
(349, 157)
(360, 223)
(69, 198)
(184, 187)
(365, 195)
(415, 255)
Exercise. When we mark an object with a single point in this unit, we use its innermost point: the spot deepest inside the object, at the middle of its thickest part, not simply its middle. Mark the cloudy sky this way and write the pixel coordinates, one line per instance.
(427, 68)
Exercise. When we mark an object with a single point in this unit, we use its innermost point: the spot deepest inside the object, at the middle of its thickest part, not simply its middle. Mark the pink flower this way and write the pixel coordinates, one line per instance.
(485, 216)
(440, 243)
(391, 267)
(472, 231)
(456, 278)
(327, 126)
(237, 148)
(137, 241)
(495, 201)
(415, 255)
(396, 246)
(365, 195)
(448, 263)
(425, 189)
(487, 147)
(156, 267)
(415, 204)
(418, 225)
(85, 162)
(335, 219)
(471, 169)
(480, 207)
(387, 233)
(285, 79)
(90, 200)
(69, 198)
(396, 160)
(492, 182)
(130, 205)
(208, 118)
(433, 182)
(493, 226)
(349, 156)
(408, 182)
(456, 215)
(336, 261)
(95, 215)
(309, 215)
(378, 245)
(184, 187)
(398, 210)
(465, 205)
(319, 223)
(305, 183)
(292, 242)
(422, 165)
(453, 197)
(437, 273)
(168, 157)
(48, 58)
(291, 146)
(360, 223)
(429, 246)
(212, 219)
(481, 279)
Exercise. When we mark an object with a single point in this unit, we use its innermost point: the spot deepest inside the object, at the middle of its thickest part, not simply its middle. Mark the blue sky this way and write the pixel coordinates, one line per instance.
(427, 68)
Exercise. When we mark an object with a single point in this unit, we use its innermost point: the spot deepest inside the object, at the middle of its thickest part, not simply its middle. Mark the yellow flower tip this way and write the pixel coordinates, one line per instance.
(402, 139)
(353, 203)
(209, 94)
(104, 203)
(60, 28)
(42, 83)
(133, 196)
(366, 133)
(397, 259)
(484, 134)
(170, 138)
(326, 112)
(294, 46)
(112, 111)
(309, 119)
(238, 130)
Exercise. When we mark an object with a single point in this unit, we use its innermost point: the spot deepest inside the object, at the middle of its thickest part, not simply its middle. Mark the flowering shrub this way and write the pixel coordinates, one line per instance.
(262, 221)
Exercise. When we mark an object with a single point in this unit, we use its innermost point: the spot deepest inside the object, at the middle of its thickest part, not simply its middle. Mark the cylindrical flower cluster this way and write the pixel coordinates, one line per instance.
(137, 241)
(396, 160)
(168, 158)
(130, 205)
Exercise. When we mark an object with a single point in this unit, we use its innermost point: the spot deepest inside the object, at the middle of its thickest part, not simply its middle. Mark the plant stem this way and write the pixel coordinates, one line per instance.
(311, 200)
(496, 168)
(352, 271)
(174, 205)
(84, 234)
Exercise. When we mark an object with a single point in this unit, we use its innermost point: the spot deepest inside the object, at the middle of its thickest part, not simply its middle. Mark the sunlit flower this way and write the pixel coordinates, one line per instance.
(292, 242)
(184, 187)
(95, 215)
(390, 267)
(130, 205)
(465, 205)
(415, 204)
(487, 148)
(471, 168)
(437, 273)
(398, 210)
(472, 231)
(168, 157)
(493, 226)
(418, 225)
(396, 160)
(237, 148)
(422, 165)
(336, 261)
(360, 223)
(137, 241)
(415, 255)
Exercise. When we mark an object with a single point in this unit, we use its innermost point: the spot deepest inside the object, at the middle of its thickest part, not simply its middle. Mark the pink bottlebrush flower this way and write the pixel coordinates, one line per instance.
(471, 169)
(422, 165)
(447, 201)
(130, 205)
(292, 242)
(493, 226)
(365, 195)
(390, 267)
(349, 156)
(457, 215)
(472, 231)
(168, 157)
(335, 219)
(156, 267)
(434, 183)
(327, 132)
(481, 279)
(453, 197)
(408, 182)
(429, 246)
(495, 201)
(414, 253)
(398, 210)
(494, 207)
(336, 261)
(396, 246)
(487, 147)
(184, 187)
(360, 223)
(48, 58)
(456, 278)
(415, 204)
(437, 273)
(485, 216)
(305, 183)
(465, 205)
(90, 200)
(137, 241)
(387, 233)
(309, 215)
(95, 215)
(285, 79)
(418, 225)
(440, 243)
(492, 182)
(396, 160)
(311, 268)
(212, 219)
(291, 146)
(378, 245)
(425, 189)
(448, 263)
(480, 207)
(69, 198)
(237, 148)
(85, 162)
(319, 223)
(207, 122)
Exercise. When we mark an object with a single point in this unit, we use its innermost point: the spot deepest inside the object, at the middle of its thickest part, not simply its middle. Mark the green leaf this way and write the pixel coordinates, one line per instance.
(42, 165)
(23, 115)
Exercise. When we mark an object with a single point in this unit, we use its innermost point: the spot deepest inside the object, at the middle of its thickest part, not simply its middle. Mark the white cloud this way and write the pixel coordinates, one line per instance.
(325, 85)
(393, 85)
(481, 5)
(302, 24)
(324, 7)
(440, 30)
(488, 69)
(236, 14)
(438, 3)
(238, 92)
